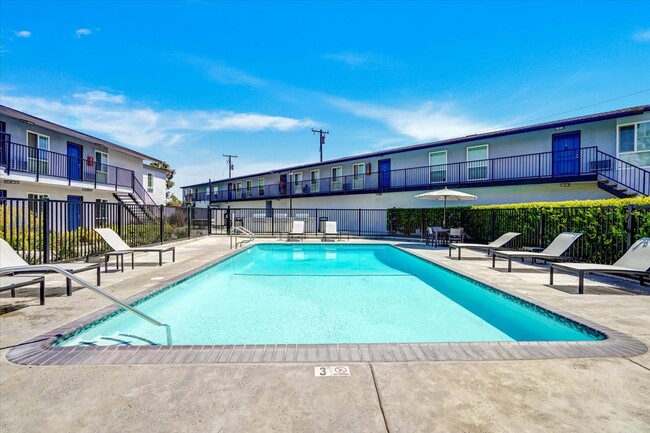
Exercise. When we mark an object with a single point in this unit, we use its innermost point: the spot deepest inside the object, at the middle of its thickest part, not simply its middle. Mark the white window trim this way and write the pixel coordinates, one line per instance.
(36, 206)
(103, 163)
(487, 156)
(42, 164)
(297, 184)
(336, 185)
(618, 139)
(440, 170)
(238, 189)
(359, 179)
(314, 184)
(260, 186)
(150, 188)
(37, 134)
(249, 188)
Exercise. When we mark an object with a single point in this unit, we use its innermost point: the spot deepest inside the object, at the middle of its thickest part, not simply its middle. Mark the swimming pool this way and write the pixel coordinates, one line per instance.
(331, 293)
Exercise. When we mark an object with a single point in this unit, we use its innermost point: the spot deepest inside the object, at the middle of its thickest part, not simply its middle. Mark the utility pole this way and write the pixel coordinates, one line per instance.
(321, 133)
(231, 167)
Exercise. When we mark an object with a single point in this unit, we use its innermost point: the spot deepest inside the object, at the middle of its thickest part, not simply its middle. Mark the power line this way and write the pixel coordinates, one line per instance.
(576, 109)
(231, 167)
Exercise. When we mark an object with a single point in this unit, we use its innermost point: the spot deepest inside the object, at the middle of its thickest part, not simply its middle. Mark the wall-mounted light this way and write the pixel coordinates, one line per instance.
(559, 128)
(565, 185)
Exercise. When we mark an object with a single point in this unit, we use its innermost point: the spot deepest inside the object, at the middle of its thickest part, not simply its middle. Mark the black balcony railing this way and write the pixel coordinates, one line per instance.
(541, 167)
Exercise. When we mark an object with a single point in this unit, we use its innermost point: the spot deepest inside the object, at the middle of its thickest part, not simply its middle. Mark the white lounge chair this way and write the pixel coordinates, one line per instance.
(120, 248)
(9, 258)
(551, 253)
(297, 230)
(635, 261)
(12, 283)
(331, 230)
(492, 246)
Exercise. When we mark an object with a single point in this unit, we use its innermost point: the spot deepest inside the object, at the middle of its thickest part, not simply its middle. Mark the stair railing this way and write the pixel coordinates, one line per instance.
(622, 172)
(92, 287)
(239, 230)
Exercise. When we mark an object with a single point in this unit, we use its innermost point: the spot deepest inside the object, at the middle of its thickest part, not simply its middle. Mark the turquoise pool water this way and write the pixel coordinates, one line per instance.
(318, 294)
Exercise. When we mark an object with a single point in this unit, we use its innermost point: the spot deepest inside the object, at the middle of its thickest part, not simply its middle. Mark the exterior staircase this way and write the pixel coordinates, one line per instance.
(620, 178)
(135, 207)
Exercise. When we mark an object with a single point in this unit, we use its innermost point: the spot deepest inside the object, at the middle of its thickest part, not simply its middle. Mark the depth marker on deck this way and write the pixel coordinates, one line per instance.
(338, 370)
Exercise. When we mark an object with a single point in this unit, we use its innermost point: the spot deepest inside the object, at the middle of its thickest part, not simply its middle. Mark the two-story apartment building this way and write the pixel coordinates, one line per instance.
(41, 159)
(588, 157)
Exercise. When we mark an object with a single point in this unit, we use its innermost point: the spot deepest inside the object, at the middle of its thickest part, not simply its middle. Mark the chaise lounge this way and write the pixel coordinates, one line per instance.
(297, 230)
(551, 253)
(9, 258)
(635, 261)
(491, 247)
(12, 283)
(120, 248)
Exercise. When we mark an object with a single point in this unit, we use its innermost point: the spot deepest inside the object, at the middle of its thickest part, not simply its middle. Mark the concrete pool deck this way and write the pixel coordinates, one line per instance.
(580, 394)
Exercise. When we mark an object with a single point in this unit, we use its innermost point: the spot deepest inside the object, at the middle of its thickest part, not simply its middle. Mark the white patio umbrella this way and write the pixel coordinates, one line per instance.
(444, 194)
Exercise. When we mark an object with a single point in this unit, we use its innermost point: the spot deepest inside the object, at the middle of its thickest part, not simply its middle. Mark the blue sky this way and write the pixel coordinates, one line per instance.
(188, 81)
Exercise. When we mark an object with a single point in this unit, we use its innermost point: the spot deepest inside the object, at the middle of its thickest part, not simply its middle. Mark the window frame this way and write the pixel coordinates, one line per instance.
(150, 176)
(484, 162)
(297, 184)
(336, 182)
(101, 167)
(41, 161)
(101, 212)
(33, 206)
(314, 182)
(432, 178)
(359, 178)
(260, 186)
(249, 188)
(636, 141)
(238, 189)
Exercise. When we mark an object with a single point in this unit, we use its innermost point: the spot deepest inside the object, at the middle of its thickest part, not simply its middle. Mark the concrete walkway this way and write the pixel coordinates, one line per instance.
(577, 395)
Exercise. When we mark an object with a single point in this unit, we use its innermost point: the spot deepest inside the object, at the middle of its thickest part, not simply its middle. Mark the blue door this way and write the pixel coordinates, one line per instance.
(384, 174)
(74, 161)
(74, 212)
(566, 154)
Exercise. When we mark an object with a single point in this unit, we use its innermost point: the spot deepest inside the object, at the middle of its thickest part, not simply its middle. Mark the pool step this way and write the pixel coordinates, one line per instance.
(119, 340)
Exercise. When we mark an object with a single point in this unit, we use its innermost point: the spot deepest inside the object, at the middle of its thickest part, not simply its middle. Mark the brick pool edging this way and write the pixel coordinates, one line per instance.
(39, 350)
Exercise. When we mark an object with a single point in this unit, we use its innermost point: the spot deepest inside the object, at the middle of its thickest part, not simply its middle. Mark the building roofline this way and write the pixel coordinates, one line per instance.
(624, 112)
(69, 131)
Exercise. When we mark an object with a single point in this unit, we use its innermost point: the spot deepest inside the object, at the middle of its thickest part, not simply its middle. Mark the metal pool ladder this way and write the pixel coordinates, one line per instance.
(239, 230)
(86, 284)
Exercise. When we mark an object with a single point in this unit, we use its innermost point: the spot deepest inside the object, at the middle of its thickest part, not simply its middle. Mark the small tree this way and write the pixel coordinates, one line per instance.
(169, 183)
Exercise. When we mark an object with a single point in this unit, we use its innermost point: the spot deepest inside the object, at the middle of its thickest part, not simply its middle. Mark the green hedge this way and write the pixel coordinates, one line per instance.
(604, 223)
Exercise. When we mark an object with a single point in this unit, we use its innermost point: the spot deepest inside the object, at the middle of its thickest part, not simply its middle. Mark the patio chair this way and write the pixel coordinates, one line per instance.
(297, 230)
(12, 283)
(431, 234)
(456, 235)
(635, 261)
(551, 253)
(120, 248)
(491, 247)
(9, 258)
(330, 230)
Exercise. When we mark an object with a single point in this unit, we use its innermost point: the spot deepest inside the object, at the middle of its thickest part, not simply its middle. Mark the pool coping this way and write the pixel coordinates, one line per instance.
(39, 350)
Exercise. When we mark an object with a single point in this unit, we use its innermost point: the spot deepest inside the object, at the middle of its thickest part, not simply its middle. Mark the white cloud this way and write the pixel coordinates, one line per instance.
(642, 36)
(100, 96)
(352, 59)
(107, 116)
(23, 34)
(220, 73)
(428, 121)
(82, 32)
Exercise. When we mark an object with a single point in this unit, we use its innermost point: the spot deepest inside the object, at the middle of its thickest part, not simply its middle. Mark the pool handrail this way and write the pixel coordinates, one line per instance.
(86, 284)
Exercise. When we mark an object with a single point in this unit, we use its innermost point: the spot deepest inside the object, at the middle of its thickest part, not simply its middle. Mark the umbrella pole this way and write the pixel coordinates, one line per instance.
(444, 215)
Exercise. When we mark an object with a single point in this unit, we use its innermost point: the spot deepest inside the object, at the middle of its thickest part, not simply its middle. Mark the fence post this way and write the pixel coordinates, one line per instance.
(542, 227)
(120, 210)
(162, 208)
(209, 220)
(422, 228)
(493, 224)
(46, 231)
(189, 222)
(630, 208)
(359, 222)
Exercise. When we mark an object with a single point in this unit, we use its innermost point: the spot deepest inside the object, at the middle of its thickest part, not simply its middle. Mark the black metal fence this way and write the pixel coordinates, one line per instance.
(45, 231)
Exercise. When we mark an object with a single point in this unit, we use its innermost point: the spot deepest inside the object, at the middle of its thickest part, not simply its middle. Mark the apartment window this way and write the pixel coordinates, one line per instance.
(337, 178)
(39, 144)
(249, 188)
(101, 166)
(359, 175)
(477, 165)
(34, 205)
(3, 194)
(260, 187)
(438, 166)
(297, 183)
(238, 190)
(101, 212)
(634, 143)
(149, 182)
(314, 181)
